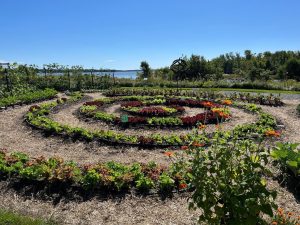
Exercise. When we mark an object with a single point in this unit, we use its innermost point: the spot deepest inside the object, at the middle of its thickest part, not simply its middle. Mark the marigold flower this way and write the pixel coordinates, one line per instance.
(272, 133)
(182, 186)
(221, 114)
(274, 223)
(225, 116)
(169, 154)
(207, 104)
(227, 102)
(184, 147)
(197, 144)
(201, 127)
(290, 214)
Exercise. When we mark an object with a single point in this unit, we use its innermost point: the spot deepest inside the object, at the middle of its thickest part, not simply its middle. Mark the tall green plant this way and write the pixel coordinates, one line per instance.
(229, 183)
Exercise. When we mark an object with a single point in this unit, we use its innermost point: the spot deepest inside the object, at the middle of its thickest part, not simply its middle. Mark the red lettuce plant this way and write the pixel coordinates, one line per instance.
(132, 104)
(95, 103)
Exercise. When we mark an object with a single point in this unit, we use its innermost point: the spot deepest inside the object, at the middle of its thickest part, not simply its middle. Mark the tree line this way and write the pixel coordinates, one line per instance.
(249, 66)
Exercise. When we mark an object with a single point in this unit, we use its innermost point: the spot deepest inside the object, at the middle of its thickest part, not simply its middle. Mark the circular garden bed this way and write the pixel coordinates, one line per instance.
(149, 111)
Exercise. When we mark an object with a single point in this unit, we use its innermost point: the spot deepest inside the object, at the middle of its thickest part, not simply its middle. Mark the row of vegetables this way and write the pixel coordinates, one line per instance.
(153, 110)
(261, 99)
(108, 177)
(270, 100)
(156, 92)
(37, 117)
(197, 174)
(27, 97)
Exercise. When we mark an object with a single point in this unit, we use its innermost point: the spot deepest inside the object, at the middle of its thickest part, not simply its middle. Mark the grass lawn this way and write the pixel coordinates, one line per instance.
(228, 89)
(10, 218)
(252, 90)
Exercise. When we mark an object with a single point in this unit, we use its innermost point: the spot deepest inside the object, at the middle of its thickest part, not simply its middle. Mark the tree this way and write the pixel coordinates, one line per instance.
(254, 74)
(248, 54)
(146, 69)
(292, 68)
(196, 67)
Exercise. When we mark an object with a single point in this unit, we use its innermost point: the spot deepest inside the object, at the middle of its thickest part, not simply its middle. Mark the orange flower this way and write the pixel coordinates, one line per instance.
(290, 214)
(182, 186)
(201, 127)
(208, 104)
(280, 210)
(272, 133)
(274, 223)
(223, 115)
(227, 102)
(216, 110)
(197, 144)
(184, 147)
(169, 154)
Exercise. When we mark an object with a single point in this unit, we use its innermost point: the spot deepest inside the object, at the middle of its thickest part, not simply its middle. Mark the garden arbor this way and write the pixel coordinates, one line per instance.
(178, 67)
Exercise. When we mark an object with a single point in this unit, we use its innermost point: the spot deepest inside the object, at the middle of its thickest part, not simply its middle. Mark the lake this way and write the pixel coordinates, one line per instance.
(131, 74)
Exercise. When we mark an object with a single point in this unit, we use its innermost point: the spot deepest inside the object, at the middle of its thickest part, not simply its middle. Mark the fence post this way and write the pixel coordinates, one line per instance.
(92, 75)
(45, 73)
(7, 81)
(69, 78)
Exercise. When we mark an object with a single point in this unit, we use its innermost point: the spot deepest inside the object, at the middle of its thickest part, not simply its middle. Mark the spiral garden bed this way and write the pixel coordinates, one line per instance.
(113, 177)
(214, 113)
(108, 178)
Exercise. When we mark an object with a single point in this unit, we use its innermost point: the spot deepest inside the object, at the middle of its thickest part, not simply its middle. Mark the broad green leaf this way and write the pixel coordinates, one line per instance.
(293, 164)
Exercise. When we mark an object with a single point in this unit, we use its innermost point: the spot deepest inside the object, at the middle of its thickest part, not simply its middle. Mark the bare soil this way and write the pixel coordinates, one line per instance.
(15, 135)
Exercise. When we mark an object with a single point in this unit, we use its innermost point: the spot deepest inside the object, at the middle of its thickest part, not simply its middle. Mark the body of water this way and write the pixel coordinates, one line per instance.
(131, 74)
(120, 74)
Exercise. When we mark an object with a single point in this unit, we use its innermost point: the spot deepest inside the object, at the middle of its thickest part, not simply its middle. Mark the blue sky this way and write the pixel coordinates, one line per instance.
(120, 34)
